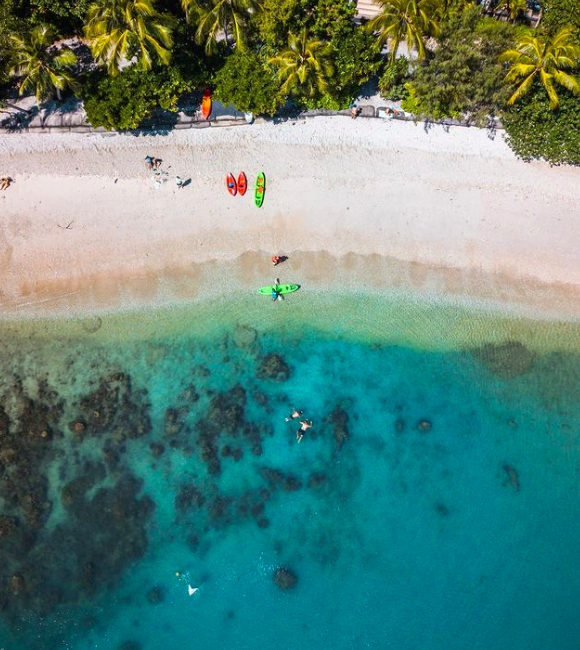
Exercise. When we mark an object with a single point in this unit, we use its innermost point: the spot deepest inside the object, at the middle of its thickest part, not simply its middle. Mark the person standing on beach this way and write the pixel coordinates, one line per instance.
(179, 182)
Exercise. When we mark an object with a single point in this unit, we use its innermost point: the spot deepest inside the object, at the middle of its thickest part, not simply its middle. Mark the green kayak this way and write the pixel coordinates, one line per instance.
(280, 288)
(260, 189)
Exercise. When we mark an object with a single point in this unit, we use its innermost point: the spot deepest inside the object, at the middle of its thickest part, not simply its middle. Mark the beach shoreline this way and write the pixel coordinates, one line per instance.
(360, 206)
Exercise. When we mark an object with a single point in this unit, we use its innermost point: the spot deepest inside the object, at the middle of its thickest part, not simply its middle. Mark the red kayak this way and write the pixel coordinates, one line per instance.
(242, 183)
(231, 183)
(206, 104)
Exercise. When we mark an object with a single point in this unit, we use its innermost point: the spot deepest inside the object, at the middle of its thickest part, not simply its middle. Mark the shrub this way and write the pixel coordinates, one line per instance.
(124, 101)
(536, 131)
(249, 83)
(393, 80)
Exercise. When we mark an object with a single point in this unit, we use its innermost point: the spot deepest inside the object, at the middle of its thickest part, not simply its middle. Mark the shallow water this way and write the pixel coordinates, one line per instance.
(433, 505)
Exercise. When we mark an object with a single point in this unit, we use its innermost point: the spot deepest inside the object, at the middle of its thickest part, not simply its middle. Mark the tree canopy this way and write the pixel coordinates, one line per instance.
(464, 75)
(136, 56)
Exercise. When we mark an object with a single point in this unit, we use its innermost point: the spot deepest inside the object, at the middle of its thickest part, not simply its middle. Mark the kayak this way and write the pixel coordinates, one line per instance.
(206, 104)
(280, 288)
(231, 184)
(242, 183)
(260, 190)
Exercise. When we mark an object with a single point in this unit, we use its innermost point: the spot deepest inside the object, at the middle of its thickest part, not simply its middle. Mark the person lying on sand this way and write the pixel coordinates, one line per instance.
(304, 425)
(149, 161)
(295, 414)
(5, 183)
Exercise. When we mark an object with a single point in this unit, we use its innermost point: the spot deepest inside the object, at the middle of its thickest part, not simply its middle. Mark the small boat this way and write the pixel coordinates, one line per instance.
(242, 183)
(260, 189)
(206, 104)
(231, 184)
(279, 288)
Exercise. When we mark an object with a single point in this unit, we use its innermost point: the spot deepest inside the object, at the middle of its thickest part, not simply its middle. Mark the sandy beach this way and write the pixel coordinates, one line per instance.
(372, 204)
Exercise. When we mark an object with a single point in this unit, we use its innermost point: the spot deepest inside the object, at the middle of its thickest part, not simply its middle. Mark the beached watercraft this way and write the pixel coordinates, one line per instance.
(231, 184)
(260, 189)
(206, 104)
(279, 288)
(242, 183)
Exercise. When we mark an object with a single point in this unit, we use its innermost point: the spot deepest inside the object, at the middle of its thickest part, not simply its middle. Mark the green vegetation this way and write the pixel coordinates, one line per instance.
(406, 20)
(304, 67)
(545, 58)
(464, 76)
(248, 82)
(128, 58)
(562, 13)
(534, 130)
(214, 16)
(122, 102)
(41, 68)
(119, 30)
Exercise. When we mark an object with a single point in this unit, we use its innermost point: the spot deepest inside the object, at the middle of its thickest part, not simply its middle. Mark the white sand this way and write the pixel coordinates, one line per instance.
(429, 199)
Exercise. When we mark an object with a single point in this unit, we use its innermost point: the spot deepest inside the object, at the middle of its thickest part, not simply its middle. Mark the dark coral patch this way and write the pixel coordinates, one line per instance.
(506, 360)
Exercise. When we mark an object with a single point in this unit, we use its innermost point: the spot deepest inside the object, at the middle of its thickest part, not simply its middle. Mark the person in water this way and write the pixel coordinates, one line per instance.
(295, 414)
(304, 426)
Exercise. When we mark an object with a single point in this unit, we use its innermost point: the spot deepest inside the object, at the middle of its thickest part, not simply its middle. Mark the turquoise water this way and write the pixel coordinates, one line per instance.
(433, 505)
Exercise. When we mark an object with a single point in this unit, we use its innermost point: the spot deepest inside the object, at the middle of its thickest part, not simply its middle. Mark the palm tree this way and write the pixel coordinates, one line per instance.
(44, 68)
(215, 16)
(304, 65)
(545, 58)
(119, 30)
(406, 20)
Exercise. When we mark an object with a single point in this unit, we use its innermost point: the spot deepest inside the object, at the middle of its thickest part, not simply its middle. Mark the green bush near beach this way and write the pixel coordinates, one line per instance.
(561, 13)
(463, 76)
(123, 102)
(248, 82)
(535, 131)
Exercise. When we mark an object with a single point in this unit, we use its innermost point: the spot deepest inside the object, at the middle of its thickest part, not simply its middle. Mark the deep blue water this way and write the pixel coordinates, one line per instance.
(433, 505)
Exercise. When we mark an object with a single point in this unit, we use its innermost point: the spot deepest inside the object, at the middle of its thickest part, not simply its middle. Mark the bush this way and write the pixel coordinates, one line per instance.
(124, 101)
(249, 83)
(393, 80)
(464, 75)
(562, 13)
(536, 131)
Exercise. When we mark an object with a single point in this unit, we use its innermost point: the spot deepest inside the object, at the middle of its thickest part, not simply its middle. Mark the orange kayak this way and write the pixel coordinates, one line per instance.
(206, 104)
(231, 184)
(242, 183)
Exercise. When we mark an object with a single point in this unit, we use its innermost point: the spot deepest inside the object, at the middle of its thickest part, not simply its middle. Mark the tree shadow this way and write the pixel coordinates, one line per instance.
(17, 121)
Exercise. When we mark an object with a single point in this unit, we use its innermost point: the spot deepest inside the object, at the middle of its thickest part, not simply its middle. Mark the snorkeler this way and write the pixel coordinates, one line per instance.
(304, 425)
(295, 414)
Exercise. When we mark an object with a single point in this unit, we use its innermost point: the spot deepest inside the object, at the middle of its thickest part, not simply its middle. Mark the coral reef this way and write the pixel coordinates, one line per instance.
(505, 360)
(285, 578)
(273, 367)
(338, 419)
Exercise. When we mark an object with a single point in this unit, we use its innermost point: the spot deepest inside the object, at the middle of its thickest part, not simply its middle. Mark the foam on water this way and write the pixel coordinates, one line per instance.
(414, 532)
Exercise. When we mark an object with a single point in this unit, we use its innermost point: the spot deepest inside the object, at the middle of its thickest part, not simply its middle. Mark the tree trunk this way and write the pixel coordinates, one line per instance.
(226, 31)
(4, 103)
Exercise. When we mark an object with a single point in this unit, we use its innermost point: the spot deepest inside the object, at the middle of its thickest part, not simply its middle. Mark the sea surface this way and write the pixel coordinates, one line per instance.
(433, 505)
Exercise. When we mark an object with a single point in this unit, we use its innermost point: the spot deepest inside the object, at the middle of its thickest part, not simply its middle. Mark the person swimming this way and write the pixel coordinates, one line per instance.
(295, 414)
(304, 426)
